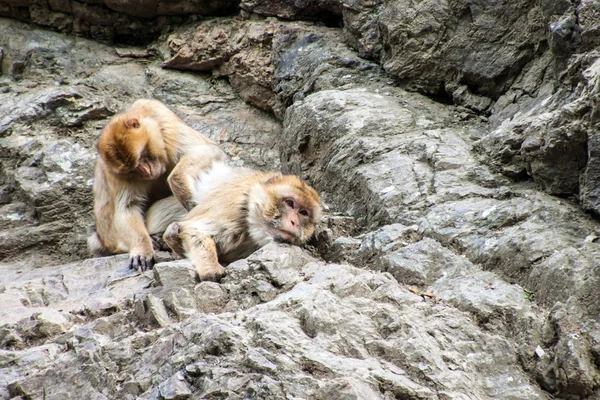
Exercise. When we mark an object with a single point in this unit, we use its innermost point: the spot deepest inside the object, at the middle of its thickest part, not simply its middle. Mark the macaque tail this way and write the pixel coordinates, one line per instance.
(96, 247)
(163, 213)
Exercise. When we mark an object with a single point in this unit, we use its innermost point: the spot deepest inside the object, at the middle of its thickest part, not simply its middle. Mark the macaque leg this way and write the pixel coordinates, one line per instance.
(200, 248)
(183, 177)
(131, 230)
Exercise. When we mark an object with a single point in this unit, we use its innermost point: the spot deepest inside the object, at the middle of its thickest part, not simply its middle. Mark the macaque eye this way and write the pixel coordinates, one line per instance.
(290, 203)
(304, 212)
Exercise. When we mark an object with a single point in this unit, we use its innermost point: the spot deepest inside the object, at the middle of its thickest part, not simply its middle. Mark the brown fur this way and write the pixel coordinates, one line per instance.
(242, 211)
(141, 152)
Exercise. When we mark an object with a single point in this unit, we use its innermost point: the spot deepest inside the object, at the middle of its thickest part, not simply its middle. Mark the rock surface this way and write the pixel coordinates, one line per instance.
(444, 266)
(130, 20)
(53, 106)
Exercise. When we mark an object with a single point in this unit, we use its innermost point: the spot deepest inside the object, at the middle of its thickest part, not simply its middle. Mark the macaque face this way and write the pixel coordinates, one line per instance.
(147, 168)
(298, 210)
(124, 148)
(296, 224)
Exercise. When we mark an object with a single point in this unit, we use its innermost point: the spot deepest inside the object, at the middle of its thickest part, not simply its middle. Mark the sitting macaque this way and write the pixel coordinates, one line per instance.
(238, 210)
(146, 153)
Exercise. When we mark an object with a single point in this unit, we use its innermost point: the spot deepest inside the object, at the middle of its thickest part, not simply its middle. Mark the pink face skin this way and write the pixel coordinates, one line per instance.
(150, 169)
(145, 170)
(292, 221)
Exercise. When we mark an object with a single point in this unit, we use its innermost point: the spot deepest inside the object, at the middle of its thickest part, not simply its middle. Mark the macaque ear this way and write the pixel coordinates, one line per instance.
(132, 123)
(274, 179)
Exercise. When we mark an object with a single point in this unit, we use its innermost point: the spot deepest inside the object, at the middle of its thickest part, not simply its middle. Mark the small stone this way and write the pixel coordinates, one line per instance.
(210, 297)
(175, 274)
(46, 323)
(253, 359)
(10, 338)
(539, 352)
(175, 388)
(152, 310)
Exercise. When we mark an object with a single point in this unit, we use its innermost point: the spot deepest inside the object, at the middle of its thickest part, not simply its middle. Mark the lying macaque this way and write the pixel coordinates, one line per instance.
(238, 210)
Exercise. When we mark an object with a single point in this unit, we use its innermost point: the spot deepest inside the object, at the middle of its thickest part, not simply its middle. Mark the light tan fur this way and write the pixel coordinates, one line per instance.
(146, 153)
(242, 211)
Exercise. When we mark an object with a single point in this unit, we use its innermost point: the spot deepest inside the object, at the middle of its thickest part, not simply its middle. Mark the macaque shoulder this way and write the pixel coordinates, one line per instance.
(223, 180)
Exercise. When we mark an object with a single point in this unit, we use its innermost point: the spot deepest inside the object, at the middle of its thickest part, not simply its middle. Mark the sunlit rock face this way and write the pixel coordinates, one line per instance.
(454, 146)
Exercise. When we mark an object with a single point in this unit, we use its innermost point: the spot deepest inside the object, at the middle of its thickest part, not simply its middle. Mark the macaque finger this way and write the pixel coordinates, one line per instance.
(147, 263)
(143, 265)
(133, 262)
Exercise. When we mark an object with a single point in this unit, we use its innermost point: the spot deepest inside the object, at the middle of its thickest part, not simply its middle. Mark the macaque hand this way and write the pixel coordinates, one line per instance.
(141, 261)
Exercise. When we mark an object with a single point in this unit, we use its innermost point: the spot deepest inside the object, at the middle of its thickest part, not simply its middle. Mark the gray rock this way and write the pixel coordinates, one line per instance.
(338, 128)
(258, 362)
(361, 30)
(432, 276)
(463, 96)
(544, 124)
(323, 10)
(533, 146)
(152, 310)
(210, 297)
(180, 301)
(432, 44)
(389, 237)
(568, 272)
(175, 274)
(349, 141)
(270, 63)
(45, 323)
(175, 388)
(233, 48)
(135, 20)
(420, 263)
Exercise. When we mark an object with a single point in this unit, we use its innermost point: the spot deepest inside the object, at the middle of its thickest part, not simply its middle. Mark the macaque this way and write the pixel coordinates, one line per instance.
(146, 153)
(238, 210)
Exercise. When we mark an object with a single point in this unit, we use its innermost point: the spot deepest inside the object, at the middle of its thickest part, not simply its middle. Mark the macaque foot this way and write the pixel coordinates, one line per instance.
(141, 263)
(213, 274)
(158, 243)
(172, 238)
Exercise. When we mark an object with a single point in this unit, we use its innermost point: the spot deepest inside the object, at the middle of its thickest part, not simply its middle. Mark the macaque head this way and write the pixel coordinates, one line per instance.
(130, 151)
(293, 210)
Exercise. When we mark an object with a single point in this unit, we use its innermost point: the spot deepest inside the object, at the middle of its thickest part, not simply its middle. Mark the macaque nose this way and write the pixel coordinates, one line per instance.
(146, 170)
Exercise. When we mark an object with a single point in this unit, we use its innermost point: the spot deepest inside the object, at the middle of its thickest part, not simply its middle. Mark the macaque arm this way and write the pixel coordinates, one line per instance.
(200, 248)
(131, 231)
(99, 243)
(183, 177)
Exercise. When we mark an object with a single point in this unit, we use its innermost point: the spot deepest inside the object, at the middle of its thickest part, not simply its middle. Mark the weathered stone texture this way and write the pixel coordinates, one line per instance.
(111, 20)
(444, 266)
(57, 94)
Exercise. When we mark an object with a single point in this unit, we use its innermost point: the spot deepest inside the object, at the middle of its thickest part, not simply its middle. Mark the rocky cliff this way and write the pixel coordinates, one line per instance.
(454, 143)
